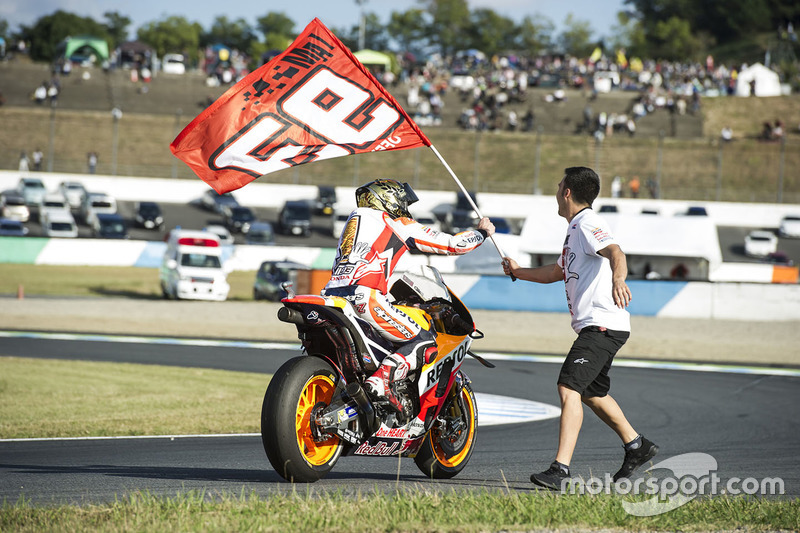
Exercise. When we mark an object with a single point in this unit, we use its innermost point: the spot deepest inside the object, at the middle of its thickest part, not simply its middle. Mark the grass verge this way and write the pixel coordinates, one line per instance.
(54, 398)
(130, 282)
(415, 510)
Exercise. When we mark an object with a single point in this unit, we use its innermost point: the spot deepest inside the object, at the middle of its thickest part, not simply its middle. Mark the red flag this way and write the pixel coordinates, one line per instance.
(315, 101)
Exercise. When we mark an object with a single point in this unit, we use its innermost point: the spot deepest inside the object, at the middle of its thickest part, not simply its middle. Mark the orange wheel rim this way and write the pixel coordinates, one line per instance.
(455, 460)
(318, 389)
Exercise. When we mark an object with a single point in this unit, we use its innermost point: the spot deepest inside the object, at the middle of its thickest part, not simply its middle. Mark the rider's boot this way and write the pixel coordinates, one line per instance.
(393, 368)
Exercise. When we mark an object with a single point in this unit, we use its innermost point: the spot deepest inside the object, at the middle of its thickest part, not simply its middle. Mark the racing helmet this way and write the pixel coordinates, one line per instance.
(387, 195)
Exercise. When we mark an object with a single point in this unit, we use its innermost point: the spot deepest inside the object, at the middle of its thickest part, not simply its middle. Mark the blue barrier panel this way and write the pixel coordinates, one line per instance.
(500, 293)
(650, 297)
(152, 255)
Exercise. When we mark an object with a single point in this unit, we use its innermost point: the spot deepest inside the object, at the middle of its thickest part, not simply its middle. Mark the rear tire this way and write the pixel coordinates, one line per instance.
(297, 388)
(442, 457)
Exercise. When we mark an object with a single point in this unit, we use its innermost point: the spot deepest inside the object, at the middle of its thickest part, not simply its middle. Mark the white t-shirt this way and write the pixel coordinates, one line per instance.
(587, 275)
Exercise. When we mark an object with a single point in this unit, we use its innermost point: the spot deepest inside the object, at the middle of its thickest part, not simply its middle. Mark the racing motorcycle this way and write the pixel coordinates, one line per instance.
(316, 410)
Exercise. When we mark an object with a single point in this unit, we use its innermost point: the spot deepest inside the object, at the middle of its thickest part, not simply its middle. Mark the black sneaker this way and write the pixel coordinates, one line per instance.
(552, 478)
(636, 458)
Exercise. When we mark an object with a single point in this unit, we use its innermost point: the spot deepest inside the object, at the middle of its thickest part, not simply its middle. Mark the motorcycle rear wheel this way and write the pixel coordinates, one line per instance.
(300, 386)
(443, 456)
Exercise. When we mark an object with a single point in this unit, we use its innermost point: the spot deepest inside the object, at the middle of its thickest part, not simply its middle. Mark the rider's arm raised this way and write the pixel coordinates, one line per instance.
(430, 241)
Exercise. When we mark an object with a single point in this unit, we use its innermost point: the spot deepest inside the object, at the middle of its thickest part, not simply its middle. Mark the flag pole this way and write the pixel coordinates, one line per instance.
(469, 199)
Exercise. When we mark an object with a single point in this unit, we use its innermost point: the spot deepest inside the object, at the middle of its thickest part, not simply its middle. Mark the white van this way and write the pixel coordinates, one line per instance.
(192, 267)
(59, 224)
(95, 203)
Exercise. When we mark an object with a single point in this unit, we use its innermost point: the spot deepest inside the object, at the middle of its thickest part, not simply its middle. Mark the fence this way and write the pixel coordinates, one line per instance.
(138, 145)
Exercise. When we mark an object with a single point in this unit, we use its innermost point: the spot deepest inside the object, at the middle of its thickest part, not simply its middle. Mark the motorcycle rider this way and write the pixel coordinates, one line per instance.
(376, 235)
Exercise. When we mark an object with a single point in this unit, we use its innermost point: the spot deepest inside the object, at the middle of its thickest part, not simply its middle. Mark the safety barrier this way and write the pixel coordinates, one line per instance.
(744, 301)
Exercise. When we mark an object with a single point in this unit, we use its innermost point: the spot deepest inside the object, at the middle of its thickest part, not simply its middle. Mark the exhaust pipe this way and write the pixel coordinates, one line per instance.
(292, 316)
(366, 412)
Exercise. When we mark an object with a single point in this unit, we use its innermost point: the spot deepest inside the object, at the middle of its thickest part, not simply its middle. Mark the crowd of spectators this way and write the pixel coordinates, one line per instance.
(486, 87)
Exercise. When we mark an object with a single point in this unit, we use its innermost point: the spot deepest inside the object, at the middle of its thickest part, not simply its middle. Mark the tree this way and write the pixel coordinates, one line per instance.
(491, 33)
(449, 24)
(236, 34)
(172, 34)
(575, 39)
(629, 33)
(50, 30)
(374, 34)
(410, 29)
(535, 35)
(117, 26)
(277, 29)
(673, 40)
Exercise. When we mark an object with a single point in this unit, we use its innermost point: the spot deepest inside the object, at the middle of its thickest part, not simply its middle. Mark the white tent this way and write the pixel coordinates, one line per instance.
(766, 81)
(661, 241)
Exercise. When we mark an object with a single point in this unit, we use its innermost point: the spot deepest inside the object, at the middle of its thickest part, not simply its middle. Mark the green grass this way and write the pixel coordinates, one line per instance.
(411, 510)
(132, 282)
(54, 398)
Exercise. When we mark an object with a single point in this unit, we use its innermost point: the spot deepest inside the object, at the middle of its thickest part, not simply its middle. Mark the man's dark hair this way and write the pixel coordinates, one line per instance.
(583, 182)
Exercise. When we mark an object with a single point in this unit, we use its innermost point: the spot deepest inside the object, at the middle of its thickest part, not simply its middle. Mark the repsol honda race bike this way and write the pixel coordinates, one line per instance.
(316, 410)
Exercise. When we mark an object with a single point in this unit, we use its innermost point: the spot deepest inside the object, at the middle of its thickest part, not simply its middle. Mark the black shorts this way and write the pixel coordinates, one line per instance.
(586, 367)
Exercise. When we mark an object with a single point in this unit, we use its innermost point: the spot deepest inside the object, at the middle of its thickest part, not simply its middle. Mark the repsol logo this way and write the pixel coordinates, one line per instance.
(454, 359)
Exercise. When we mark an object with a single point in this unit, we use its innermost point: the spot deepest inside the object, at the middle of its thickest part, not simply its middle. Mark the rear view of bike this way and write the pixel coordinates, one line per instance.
(315, 409)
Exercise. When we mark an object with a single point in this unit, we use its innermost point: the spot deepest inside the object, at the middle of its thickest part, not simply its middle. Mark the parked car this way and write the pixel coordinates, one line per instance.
(501, 225)
(52, 202)
(60, 224)
(760, 243)
(696, 211)
(295, 218)
(270, 276)
(260, 233)
(790, 226)
(213, 201)
(96, 203)
(459, 220)
(238, 218)
(109, 226)
(12, 205)
(12, 228)
(326, 199)
(74, 192)
(32, 190)
(148, 215)
(220, 231)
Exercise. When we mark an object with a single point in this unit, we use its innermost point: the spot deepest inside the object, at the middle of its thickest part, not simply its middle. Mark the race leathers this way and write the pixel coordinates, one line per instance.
(370, 247)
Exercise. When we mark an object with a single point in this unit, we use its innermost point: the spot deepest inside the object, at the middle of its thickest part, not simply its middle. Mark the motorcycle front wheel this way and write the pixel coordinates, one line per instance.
(300, 387)
(446, 450)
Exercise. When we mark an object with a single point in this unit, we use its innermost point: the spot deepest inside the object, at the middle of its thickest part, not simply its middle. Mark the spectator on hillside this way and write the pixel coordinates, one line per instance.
(91, 160)
(616, 187)
(512, 120)
(766, 131)
(634, 185)
(24, 162)
(777, 130)
(40, 93)
(38, 157)
(528, 120)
